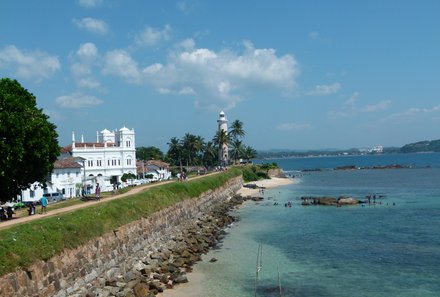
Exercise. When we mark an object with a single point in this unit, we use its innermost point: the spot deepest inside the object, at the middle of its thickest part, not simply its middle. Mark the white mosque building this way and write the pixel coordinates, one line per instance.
(106, 160)
(84, 164)
(223, 151)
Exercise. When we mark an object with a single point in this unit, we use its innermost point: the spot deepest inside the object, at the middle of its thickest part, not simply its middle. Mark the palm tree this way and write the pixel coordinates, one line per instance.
(192, 146)
(249, 153)
(175, 151)
(222, 140)
(236, 130)
(210, 156)
(237, 150)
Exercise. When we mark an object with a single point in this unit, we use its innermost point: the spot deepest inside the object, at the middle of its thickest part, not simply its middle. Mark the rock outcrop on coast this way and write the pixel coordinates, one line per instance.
(329, 201)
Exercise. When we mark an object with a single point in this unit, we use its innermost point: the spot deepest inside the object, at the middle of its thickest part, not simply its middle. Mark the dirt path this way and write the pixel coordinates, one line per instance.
(54, 212)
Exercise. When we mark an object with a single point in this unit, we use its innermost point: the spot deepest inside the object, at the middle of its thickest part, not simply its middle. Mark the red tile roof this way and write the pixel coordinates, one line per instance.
(66, 163)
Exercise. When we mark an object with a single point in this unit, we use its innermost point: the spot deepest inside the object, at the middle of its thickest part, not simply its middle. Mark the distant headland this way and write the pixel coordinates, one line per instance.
(425, 146)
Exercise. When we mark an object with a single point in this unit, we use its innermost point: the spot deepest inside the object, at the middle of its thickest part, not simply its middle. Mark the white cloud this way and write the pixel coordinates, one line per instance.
(313, 35)
(415, 112)
(376, 107)
(89, 3)
(83, 61)
(78, 100)
(120, 63)
(323, 90)
(151, 36)
(350, 107)
(88, 82)
(294, 127)
(92, 25)
(215, 79)
(28, 64)
(185, 6)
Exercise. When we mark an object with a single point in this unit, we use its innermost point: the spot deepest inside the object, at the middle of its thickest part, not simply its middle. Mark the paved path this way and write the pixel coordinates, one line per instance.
(50, 213)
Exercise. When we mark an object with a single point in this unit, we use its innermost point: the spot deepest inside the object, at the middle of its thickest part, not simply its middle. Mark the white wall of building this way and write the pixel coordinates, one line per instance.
(112, 155)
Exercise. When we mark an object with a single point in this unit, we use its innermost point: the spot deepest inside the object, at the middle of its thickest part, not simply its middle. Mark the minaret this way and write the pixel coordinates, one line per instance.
(223, 151)
(73, 139)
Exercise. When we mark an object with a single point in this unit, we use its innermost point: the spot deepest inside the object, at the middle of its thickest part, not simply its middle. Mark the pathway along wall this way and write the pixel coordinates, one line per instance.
(64, 274)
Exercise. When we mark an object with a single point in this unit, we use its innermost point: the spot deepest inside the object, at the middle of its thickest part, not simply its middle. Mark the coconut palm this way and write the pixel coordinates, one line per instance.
(236, 149)
(210, 156)
(175, 151)
(249, 153)
(222, 140)
(236, 130)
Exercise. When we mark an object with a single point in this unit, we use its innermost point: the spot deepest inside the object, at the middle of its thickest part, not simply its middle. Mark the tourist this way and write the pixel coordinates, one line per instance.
(31, 208)
(43, 202)
(10, 212)
(98, 192)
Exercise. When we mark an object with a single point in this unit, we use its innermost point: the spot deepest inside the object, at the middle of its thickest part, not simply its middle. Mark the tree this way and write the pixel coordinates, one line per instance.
(221, 140)
(149, 153)
(210, 157)
(175, 151)
(249, 153)
(236, 130)
(28, 141)
(237, 150)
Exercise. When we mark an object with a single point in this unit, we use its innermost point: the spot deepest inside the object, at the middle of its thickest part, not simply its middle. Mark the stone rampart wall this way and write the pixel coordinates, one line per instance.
(64, 274)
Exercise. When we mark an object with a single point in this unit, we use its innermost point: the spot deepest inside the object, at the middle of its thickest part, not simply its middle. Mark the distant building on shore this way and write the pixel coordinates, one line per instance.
(223, 151)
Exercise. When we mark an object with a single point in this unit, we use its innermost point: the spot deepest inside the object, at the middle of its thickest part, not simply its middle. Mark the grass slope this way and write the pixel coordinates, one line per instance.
(24, 244)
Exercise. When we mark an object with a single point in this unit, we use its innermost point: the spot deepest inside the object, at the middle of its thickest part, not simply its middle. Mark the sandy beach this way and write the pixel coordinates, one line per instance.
(195, 278)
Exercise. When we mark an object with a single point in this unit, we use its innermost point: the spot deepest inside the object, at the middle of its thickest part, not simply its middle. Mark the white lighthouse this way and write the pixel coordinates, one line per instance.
(223, 151)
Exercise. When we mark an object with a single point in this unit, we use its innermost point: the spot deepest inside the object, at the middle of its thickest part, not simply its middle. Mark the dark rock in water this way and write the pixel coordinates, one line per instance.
(327, 201)
(213, 260)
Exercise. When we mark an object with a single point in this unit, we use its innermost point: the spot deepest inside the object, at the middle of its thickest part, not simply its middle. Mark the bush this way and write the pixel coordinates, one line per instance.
(249, 174)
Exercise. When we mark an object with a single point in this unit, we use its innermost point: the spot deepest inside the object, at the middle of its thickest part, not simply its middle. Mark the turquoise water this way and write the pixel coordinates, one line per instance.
(386, 249)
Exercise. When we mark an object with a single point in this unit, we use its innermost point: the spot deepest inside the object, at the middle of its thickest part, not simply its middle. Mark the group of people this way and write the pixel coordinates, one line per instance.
(181, 176)
(6, 214)
(31, 206)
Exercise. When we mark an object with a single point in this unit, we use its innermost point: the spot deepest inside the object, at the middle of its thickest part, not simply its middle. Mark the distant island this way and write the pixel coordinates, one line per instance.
(417, 147)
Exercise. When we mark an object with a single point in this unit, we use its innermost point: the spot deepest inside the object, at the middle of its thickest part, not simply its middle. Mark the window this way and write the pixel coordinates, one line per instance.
(128, 161)
(114, 162)
(127, 143)
(32, 193)
(90, 163)
(108, 162)
(68, 173)
(99, 163)
(119, 162)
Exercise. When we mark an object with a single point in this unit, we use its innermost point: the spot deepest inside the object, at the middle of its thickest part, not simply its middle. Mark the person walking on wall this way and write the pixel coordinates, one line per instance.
(43, 201)
(98, 192)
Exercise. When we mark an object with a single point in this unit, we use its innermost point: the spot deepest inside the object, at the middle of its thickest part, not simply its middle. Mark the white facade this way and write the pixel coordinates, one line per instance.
(107, 159)
(66, 178)
(157, 169)
(223, 151)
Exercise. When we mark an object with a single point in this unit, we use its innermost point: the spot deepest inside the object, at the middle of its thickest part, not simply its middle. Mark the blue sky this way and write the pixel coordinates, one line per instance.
(298, 74)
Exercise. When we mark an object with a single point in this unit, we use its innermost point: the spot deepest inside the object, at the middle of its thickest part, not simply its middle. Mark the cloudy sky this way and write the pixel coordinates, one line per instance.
(299, 74)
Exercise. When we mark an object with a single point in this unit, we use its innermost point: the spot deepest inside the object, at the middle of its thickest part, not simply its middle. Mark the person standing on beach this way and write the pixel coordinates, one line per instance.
(98, 192)
(43, 202)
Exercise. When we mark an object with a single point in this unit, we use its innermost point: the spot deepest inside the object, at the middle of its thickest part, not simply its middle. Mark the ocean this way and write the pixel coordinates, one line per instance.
(391, 248)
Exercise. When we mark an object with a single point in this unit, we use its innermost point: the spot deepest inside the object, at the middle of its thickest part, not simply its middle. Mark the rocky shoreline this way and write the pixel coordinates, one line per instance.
(167, 266)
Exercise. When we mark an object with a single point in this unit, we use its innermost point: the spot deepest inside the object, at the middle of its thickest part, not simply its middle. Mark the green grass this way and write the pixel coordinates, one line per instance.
(23, 244)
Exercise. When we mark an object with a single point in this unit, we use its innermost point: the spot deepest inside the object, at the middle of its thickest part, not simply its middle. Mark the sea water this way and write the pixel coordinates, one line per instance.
(391, 248)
